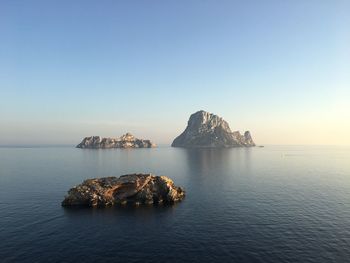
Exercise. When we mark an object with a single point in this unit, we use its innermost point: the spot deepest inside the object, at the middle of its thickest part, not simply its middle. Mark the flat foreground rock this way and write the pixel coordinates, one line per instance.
(126, 189)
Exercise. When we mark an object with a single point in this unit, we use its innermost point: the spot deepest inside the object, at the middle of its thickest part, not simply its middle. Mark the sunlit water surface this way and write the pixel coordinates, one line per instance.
(272, 204)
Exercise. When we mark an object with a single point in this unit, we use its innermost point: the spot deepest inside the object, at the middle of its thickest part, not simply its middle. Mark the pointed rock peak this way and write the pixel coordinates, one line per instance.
(248, 140)
(206, 129)
(247, 134)
(206, 120)
(202, 114)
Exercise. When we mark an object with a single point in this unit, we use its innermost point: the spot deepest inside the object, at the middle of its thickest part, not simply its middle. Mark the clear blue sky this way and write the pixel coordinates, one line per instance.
(70, 69)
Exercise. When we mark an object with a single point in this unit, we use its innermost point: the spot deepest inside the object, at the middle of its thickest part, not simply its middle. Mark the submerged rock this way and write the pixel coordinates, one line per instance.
(125, 141)
(126, 189)
(205, 129)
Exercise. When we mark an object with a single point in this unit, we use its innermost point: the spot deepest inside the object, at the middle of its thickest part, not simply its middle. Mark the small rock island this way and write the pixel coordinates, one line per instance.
(205, 129)
(125, 141)
(133, 189)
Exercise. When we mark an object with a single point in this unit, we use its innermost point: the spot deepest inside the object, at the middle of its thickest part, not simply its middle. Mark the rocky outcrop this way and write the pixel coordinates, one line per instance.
(127, 189)
(205, 129)
(125, 141)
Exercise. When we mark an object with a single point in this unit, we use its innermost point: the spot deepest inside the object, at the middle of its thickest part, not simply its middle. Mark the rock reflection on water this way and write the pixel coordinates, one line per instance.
(141, 212)
(206, 160)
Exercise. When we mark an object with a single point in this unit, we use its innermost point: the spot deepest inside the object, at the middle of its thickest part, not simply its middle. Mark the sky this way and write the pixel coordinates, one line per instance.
(70, 69)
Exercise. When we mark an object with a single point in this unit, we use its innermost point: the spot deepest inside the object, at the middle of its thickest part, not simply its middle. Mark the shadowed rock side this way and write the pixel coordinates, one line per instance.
(127, 189)
(205, 129)
(125, 141)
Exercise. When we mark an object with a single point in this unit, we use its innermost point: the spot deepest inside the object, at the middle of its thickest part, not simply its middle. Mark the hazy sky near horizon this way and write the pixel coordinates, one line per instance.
(70, 69)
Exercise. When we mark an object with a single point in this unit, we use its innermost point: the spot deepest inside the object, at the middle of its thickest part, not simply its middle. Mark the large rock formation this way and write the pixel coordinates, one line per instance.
(127, 189)
(205, 129)
(125, 141)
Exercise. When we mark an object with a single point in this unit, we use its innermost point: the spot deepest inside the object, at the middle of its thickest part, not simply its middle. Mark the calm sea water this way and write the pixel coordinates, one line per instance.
(272, 204)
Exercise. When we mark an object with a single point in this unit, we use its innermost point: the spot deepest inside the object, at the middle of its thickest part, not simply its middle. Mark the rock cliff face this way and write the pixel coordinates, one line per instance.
(205, 129)
(125, 141)
(127, 189)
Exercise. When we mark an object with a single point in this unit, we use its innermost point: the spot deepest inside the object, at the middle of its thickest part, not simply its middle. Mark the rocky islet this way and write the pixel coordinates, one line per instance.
(125, 141)
(135, 189)
(207, 130)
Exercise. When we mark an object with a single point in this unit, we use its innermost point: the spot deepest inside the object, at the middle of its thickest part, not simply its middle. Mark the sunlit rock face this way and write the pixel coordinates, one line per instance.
(205, 129)
(125, 141)
(135, 189)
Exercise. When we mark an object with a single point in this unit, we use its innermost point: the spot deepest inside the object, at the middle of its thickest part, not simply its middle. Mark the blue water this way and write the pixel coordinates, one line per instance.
(272, 204)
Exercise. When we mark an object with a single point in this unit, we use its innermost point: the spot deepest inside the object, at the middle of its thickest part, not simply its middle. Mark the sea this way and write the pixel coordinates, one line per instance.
(262, 204)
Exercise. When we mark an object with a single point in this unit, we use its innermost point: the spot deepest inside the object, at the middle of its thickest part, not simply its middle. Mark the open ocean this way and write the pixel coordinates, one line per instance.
(272, 204)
